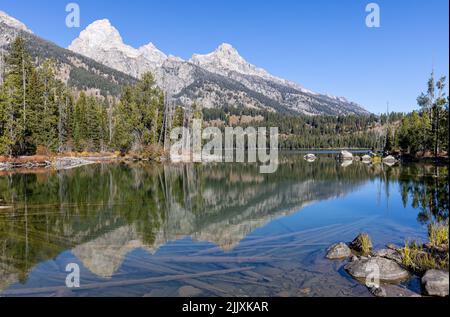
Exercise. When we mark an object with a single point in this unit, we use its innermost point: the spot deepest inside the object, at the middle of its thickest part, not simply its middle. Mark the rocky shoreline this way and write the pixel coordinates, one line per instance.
(381, 271)
(57, 163)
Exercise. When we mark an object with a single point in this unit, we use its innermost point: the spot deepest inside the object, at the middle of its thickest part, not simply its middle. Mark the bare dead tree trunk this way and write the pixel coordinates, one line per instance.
(60, 124)
(24, 92)
(110, 127)
(11, 124)
(162, 135)
(2, 67)
(155, 127)
(436, 143)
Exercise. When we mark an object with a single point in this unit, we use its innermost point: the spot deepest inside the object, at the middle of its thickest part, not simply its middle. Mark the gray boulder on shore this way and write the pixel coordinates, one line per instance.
(377, 267)
(435, 283)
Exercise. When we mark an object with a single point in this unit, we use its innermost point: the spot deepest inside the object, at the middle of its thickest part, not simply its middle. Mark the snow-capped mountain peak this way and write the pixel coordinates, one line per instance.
(102, 42)
(226, 59)
(227, 51)
(153, 54)
(12, 22)
(101, 35)
(149, 48)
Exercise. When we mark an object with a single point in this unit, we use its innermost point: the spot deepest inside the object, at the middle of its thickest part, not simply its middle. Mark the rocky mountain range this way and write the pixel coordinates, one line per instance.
(221, 78)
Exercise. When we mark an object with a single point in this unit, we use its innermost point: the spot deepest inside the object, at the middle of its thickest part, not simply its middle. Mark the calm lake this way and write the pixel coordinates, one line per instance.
(207, 230)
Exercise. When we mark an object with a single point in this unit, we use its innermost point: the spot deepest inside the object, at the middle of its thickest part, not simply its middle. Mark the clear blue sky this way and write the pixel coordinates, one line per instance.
(322, 44)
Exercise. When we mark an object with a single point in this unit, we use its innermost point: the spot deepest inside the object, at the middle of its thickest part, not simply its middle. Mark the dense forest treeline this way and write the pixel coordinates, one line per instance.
(307, 132)
(41, 115)
(426, 130)
(418, 133)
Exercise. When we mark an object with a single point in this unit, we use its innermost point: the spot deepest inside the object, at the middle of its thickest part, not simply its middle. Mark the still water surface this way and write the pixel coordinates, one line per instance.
(207, 230)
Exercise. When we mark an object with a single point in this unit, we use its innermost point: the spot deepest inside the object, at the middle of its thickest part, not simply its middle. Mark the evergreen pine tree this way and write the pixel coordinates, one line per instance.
(18, 72)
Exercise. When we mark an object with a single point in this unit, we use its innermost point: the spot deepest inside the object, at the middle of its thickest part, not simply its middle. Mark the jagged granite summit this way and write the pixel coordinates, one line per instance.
(103, 43)
(225, 60)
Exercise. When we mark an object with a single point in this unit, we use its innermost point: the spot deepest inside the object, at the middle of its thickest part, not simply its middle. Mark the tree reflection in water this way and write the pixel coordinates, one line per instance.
(148, 205)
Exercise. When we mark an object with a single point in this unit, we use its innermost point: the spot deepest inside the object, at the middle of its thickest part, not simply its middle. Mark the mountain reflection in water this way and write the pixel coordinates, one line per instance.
(148, 229)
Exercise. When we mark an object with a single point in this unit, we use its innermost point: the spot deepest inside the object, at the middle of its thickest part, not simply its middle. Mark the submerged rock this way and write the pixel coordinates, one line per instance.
(435, 283)
(377, 267)
(392, 246)
(378, 291)
(339, 251)
(189, 291)
(362, 243)
(398, 291)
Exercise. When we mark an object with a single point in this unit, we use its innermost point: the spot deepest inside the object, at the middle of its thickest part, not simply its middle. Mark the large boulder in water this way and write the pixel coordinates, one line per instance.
(435, 283)
(389, 159)
(339, 251)
(377, 268)
(310, 157)
(345, 155)
(366, 159)
(362, 244)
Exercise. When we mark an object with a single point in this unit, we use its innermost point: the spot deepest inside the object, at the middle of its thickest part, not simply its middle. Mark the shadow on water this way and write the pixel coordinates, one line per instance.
(209, 230)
